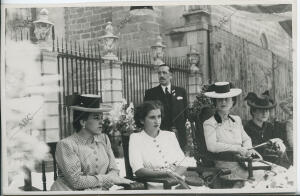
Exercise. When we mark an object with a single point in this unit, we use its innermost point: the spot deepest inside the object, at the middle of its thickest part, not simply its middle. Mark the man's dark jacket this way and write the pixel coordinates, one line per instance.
(175, 109)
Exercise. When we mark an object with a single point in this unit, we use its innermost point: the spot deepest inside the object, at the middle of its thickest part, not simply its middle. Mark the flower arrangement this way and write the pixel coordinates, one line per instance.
(200, 102)
(120, 119)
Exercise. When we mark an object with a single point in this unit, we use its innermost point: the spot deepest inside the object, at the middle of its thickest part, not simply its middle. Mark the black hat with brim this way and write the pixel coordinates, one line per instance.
(261, 102)
(88, 103)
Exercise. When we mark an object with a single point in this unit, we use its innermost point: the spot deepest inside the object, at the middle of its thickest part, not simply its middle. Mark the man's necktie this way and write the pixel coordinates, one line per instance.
(167, 91)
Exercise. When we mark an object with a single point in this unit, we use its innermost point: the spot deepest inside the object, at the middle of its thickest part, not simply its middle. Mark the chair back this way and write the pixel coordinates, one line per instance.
(28, 181)
(125, 144)
(201, 151)
(52, 146)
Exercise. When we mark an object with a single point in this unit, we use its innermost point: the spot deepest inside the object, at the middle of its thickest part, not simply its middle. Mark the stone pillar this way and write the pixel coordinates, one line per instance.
(49, 113)
(111, 82)
(154, 76)
(200, 17)
(136, 32)
(195, 85)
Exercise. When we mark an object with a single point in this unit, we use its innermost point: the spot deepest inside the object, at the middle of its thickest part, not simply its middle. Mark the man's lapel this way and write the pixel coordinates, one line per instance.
(173, 94)
(160, 92)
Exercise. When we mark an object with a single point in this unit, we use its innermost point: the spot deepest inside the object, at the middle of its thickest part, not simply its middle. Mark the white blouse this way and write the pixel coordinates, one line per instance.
(225, 136)
(148, 152)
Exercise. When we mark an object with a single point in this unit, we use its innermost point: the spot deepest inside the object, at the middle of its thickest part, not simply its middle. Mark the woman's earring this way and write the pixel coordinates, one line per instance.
(83, 126)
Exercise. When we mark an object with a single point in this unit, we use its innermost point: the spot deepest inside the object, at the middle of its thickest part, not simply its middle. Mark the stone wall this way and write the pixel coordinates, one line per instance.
(50, 126)
(279, 41)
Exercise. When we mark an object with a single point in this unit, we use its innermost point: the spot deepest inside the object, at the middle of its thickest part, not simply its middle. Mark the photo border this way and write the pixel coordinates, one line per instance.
(154, 3)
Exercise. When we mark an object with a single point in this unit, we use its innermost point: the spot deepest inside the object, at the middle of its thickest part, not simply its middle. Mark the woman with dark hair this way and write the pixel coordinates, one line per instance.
(154, 152)
(260, 130)
(224, 131)
(85, 159)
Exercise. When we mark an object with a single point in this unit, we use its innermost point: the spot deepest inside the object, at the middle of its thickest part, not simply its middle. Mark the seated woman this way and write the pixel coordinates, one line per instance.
(262, 131)
(154, 152)
(224, 132)
(85, 159)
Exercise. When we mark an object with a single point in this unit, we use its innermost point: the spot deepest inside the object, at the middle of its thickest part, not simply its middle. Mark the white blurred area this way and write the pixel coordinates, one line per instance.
(25, 87)
(22, 71)
(25, 91)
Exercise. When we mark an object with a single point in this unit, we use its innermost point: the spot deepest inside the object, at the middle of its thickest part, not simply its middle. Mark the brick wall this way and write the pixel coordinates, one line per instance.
(86, 24)
(136, 32)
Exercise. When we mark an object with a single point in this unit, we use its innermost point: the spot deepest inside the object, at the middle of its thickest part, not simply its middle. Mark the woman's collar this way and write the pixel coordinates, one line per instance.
(219, 119)
(89, 139)
(145, 133)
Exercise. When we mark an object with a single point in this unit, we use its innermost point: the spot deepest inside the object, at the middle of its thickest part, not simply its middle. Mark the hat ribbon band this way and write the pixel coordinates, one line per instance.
(222, 89)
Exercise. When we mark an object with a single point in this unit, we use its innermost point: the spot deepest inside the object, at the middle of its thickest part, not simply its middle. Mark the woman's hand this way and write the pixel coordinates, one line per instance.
(173, 174)
(253, 152)
(180, 170)
(243, 151)
(118, 180)
(278, 144)
(107, 183)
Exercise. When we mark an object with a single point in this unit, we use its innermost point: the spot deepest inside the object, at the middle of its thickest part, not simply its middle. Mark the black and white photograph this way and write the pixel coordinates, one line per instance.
(149, 97)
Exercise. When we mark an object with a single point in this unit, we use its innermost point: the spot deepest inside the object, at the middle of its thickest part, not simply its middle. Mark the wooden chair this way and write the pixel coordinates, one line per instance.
(28, 181)
(167, 182)
(205, 159)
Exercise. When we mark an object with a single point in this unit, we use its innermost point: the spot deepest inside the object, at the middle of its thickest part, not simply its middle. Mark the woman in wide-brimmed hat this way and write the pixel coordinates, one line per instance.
(85, 159)
(224, 131)
(260, 130)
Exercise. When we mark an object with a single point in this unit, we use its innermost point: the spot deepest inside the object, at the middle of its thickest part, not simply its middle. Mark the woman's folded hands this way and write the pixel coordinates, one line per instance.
(115, 179)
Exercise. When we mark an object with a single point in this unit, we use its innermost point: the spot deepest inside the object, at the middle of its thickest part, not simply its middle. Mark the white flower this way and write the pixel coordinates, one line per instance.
(188, 124)
(115, 113)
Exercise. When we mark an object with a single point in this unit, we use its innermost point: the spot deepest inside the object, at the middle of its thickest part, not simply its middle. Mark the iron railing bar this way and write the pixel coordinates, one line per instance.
(64, 94)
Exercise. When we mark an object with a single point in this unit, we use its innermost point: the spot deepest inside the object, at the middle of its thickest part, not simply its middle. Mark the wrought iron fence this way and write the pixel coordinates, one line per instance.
(137, 72)
(79, 66)
(80, 69)
(180, 71)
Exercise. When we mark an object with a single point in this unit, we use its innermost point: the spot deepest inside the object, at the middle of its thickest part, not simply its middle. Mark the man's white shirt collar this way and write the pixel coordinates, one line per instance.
(164, 88)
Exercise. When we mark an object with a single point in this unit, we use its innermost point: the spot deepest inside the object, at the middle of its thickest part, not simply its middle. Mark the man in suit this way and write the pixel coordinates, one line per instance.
(174, 100)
